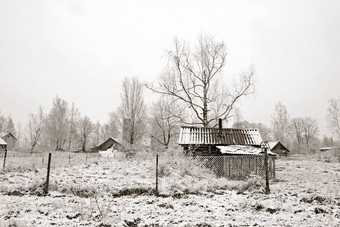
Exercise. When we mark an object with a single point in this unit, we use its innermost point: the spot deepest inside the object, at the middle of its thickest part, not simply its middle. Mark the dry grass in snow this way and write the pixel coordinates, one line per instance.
(120, 193)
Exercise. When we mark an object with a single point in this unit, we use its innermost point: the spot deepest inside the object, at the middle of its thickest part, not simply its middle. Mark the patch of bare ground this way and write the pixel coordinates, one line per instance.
(120, 193)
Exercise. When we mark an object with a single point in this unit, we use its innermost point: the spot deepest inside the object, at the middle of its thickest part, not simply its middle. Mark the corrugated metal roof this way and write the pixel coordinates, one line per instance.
(224, 136)
(2, 142)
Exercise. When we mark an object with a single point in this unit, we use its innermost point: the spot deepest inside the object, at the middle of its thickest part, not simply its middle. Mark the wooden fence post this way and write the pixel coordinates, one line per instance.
(5, 156)
(69, 159)
(48, 173)
(266, 168)
(156, 174)
(273, 160)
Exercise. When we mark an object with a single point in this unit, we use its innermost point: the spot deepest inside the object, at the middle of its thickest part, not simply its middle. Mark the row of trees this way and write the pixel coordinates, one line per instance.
(63, 128)
(300, 134)
(192, 91)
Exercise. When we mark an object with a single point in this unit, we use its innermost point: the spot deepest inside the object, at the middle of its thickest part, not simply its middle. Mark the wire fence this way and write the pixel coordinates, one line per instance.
(232, 167)
(78, 172)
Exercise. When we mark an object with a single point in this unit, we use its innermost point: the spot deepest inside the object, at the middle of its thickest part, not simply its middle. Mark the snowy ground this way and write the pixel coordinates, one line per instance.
(119, 193)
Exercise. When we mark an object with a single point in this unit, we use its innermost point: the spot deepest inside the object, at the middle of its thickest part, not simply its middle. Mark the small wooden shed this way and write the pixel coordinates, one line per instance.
(109, 143)
(207, 141)
(3, 145)
(278, 148)
(9, 138)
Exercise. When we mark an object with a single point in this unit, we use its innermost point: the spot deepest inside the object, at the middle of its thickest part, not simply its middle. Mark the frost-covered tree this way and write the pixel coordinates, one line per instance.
(85, 130)
(57, 124)
(281, 123)
(333, 116)
(164, 125)
(34, 128)
(73, 128)
(132, 111)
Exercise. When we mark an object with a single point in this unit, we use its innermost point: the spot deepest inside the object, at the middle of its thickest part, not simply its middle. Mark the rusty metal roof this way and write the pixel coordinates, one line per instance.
(215, 136)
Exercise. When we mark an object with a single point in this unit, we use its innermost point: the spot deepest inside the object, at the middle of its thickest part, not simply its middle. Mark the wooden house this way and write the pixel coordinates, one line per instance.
(278, 148)
(3, 145)
(110, 143)
(9, 138)
(211, 141)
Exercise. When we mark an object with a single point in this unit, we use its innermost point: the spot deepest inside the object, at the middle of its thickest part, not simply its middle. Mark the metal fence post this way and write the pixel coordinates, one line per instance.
(4, 165)
(48, 173)
(156, 174)
(69, 159)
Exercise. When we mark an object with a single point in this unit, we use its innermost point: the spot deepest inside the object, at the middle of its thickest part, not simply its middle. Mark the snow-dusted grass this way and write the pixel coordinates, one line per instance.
(120, 192)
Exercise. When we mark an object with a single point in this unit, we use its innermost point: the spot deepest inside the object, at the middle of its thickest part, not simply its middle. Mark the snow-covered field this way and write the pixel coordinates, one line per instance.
(120, 192)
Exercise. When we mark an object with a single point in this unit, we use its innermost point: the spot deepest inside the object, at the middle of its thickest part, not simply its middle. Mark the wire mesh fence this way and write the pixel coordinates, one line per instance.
(232, 167)
(79, 172)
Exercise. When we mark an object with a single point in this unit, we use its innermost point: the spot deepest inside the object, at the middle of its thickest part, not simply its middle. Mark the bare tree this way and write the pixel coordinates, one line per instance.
(333, 116)
(7, 124)
(297, 129)
(96, 132)
(310, 130)
(10, 125)
(194, 79)
(132, 110)
(280, 123)
(164, 123)
(85, 130)
(73, 126)
(2, 123)
(57, 123)
(34, 128)
(110, 129)
(264, 130)
(238, 118)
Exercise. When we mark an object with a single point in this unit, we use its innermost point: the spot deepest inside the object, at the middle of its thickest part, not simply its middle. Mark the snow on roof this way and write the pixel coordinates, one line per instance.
(242, 150)
(272, 144)
(2, 142)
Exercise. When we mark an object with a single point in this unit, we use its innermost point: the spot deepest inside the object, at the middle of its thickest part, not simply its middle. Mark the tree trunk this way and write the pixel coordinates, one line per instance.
(84, 144)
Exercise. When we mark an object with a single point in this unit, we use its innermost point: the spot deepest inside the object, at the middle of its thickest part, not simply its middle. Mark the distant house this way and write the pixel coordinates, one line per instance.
(278, 148)
(9, 138)
(3, 145)
(322, 149)
(220, 141)
(110, 143)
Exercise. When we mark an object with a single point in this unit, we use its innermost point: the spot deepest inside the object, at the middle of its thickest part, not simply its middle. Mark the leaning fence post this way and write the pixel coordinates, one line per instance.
(4, 165)
(48, 173)
(156, 174)
(266, 168)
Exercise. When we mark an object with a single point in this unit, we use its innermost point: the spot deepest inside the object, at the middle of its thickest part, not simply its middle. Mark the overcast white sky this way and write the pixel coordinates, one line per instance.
(81, 50)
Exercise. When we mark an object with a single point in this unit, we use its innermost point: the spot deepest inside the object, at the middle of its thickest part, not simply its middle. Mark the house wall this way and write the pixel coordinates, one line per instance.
(10, 142)
(280, 151)
(201, 150)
